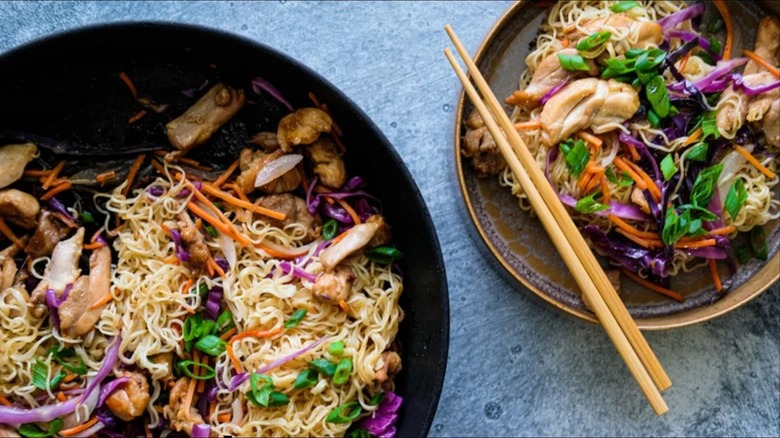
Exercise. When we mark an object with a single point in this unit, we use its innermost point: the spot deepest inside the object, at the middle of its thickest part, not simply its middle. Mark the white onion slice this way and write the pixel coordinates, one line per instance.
(732, 162)
(277, 168)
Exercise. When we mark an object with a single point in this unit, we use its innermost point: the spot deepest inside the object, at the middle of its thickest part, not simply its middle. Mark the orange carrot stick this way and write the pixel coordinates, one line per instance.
(696, 244)
(693, 137)
(224, 418)
(221, 180)
(4, 401)
(133, 171)
(528, 126)
(101, 302)
(724, 12)
(748, 156)
(590, 138)
(761, 61)
(715, 276)
(654, 287)
(724, 231)
(650, 244)
(57, 189)
(606, 196)
(217, 193)
(352, 213)
(136, 117)
(53, 175)
(129, 84)
(80, 428)
(638, 180)
(217, 224)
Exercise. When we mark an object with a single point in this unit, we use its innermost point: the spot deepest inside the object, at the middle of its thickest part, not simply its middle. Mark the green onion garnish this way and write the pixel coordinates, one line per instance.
(697, 152)
(31, 430)
(736, 198)
(185, 365)
(376, 399)
(343, 370)
(573, 62)
(593, 41)
(588, 204)
(211, 345)
(758, 243)
(86, 217)
(59, 354)
(211, 230)
(330, 229)
(345, 413)
(384, 255)
(224, 322)
(40, 375)
(336, 348)
(295, 318)
(576, 154)
(623, 6)
(655, 90)
(668, 167)
(306, 378)
(324, 366)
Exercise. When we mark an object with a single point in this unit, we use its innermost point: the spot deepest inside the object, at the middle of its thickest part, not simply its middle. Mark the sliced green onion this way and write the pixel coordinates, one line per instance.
(224, 321)
(758, 243)
(742, 254)
(31, 430)
(40, 375)
(576, 154)
(736, 198)
(653, 118)
(324, 366)
(330, 229)
(593, 41)
(376, 399)
(668, 167)
(86, 217)
(623, 6)
(588, 204)
(211, 345)
(195, 328)
(185, 365)
(697, 152)
(59, 354)
(336, 348)
(675, 226)
(359, 433)
(295, 318)
(709, 125)
(704, 187)
(345, 413)
(634, 53)
(211, 230)
(384, 255)
(655, 90)
(573, 62)
(343, 370)
(306, 378)
(260, 394)
(277, 398)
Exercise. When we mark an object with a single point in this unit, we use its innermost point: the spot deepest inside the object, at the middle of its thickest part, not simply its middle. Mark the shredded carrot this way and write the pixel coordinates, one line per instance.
(202, 371)
(233, 358)
(748, 156)
(314, 99)
(36, 173)
(565, 42)
(626, 227)
(166, 228)
(585, 177)
(338, 238)
(58, 189)
(239, 192)
(4, 401)
(69, 378)
(214, 209)
(217, 268)
(139, 160)
(344, 306)
(639, 181)
(217, 223)
(228, 334)
(158, 167)
(171, 260)
(759, 60)
(684, 60)
(61, 397)
(224, 177)
(528, 126)
(590, 138)
(724, 231)
(695, 243)
(80, 428)
(634, 153)
(212, 408)
(210, 269)
(92, 245)
(10, 234)
(224, 418)
(146, 429)
(655, 192)
(136, 117)
(199, 224)
(693, 137)
(715, 277)
(352, 213)
(217, 193)
(53, 175)
(188, 399)
(129, 84)
(645, 243)
(724, 12)
(594, 181)
(606, 196)
(101, 302)
(187, 286)
(652, 286)
(255, 334)
(103, 177)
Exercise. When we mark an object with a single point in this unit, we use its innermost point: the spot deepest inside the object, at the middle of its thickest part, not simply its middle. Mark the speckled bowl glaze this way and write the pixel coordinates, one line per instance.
(518, 242)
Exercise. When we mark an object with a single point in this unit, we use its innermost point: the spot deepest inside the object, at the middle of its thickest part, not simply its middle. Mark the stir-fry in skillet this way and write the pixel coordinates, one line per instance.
(260, 300)
(642, 122)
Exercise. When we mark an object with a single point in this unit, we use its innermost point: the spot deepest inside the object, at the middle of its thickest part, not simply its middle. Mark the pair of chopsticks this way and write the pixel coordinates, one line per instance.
(595, 285)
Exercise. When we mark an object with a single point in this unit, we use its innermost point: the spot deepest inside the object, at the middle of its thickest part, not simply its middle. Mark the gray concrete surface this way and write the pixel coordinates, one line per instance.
(515, 368)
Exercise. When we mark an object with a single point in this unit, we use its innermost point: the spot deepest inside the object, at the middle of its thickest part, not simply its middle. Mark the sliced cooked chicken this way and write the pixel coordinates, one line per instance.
(62, 270)
(383, 232)
(8, 269)
(49, 232)
(766, 45)
(193, 241)
(76, 317)
(587, 103)
(759, 105)
(328, 164)
(638, 198)
(334, 286)
(13, 159)
(181, 420)
(131, 398)
(19, 208)
(304, 126)
(391, 365)
(478, 144)
(638, 34)
(356, 238)
(296, 212)
(266, 140)
(202, 119)
(251, 163)
(548, 74)
(771, 124)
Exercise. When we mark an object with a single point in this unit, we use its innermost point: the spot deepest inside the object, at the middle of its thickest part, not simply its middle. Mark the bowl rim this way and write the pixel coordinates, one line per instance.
(427, 220)
(761, 281)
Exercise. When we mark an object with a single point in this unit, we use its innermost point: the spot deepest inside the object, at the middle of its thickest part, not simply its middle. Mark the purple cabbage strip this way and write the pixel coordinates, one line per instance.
(155, 191)
(213, 303)
(337, 212)
(552, 155)
(752, 91)
(222, 263)
(312, 202)
(53, 303)
(690, 36)
(181, 253)
(201, 431)
(620, 210)
(44, 414)
(56, 205)
(288, 268)
(670, 21)
(363, 209)
(552, 91)
(721, 68)
(191, 91)
(352, 184)
(109, 388)
(382, 421)
(243, 377)
(259, 84)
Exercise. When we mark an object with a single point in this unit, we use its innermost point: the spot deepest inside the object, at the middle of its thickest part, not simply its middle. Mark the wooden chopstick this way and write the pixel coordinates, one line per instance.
(559, 225)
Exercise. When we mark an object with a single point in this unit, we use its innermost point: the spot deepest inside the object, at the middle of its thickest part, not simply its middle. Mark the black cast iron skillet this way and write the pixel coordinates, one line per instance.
(64, 91)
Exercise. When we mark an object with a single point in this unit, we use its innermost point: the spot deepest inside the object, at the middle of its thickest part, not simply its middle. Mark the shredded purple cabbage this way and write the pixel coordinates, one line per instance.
(381, 422)
(243, 377)
(53, 302)
(721, 68)
(222, 263)
(181, 253)
(753, 91)
(57, 206)
(109, 388)
(259, 85)
(155, 191)
(337, 212)
(288, 268)
(552, 155)
(214, 302)
(670, 21)
(552, 91)
(190, 92)
(201, 431)
(622, 211)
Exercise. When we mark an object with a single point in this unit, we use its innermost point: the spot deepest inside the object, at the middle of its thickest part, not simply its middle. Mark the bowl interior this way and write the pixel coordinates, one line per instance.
(518, 241)
(67, 88)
